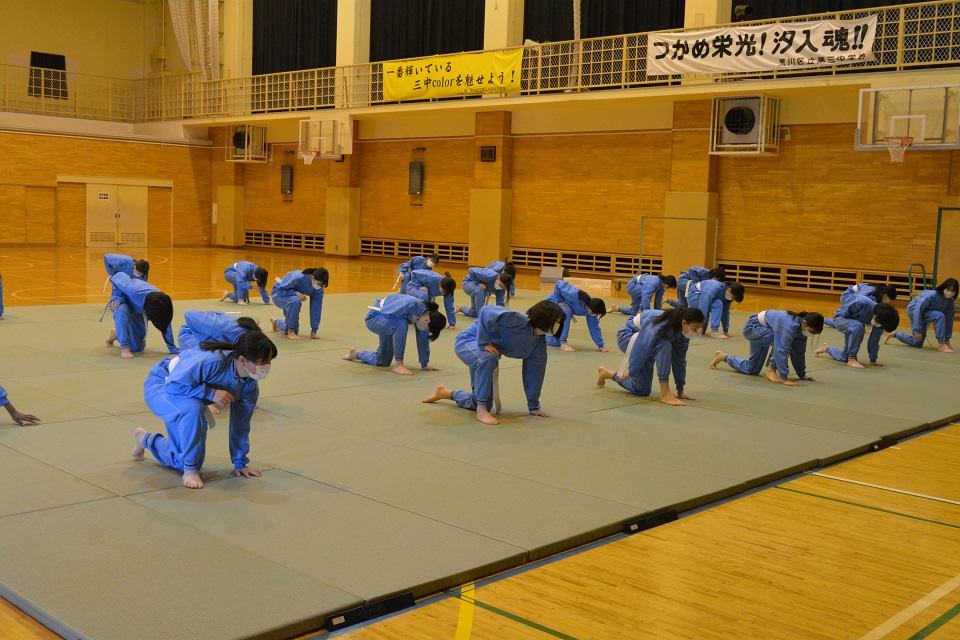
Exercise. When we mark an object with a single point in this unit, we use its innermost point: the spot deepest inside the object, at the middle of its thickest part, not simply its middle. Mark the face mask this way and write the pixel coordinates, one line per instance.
(949, 294)
(875, 323)
(808, 334)
(431, 264)
(728, 296)
(259, 372)
(423, 323)
(316, 285)
(688, 334)
(137, 274)
(554, 330)
(498, 286)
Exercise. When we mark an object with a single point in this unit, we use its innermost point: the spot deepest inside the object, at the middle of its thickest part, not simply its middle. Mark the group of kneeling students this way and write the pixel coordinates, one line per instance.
(222, 358)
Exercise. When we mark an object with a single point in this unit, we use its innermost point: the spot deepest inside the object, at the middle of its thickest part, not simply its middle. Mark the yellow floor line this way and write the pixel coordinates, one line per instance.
(912, 610)
(465, 619)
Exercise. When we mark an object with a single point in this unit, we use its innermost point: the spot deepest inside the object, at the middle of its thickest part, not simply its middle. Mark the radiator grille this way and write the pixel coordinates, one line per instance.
(407, 248)
(607, 264)
(813, 279)
(280, 240)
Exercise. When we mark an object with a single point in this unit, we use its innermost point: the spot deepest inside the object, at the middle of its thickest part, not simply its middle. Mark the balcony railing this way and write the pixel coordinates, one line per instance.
(912, 36)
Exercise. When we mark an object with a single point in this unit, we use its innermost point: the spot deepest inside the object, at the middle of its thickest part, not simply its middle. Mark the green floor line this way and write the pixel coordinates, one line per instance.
(866, 506)
(512, 616)
(936, 624)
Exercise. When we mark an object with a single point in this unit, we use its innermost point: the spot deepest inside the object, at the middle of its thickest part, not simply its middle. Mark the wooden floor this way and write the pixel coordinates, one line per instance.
(866, 549)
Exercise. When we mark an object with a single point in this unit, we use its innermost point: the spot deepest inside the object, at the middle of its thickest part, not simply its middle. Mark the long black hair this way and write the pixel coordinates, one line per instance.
(260, 275)
(254, 346)
(596, 305)
(669, 281)
(159, 309)
(813, 319)
(545, 314)
(447, 284)
(737, 290)
(437, 320)
(673, 319)
(319, 274)
(718, 274)
(949, 283)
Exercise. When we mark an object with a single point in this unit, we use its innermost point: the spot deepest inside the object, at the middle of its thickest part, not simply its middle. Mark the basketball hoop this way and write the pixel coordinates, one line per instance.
(308, 155)
(897, 146)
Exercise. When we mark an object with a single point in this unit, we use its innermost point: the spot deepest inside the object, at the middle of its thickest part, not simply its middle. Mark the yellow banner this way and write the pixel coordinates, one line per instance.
(446, 76)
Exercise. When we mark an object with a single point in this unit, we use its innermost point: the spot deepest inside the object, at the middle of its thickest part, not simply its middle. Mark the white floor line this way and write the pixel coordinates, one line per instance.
(918, 606)
(878, 486)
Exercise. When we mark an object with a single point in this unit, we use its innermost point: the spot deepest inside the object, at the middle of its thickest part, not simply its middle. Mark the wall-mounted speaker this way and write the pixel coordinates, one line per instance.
(286, 179)
(488, 154)
(415, 187)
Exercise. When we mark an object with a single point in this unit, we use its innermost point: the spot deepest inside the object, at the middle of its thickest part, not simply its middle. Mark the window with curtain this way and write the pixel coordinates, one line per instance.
(552, 20)
(413, 28)
(773, 9)
(291, 35)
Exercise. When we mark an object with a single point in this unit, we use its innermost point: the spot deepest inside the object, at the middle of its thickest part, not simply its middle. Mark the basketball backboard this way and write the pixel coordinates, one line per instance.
(928, 114)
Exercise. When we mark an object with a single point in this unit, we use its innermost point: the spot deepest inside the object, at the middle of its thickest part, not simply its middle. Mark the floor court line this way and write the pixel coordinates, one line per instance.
(917, 607)
(883, 488)
(465, 615)
(866, 506)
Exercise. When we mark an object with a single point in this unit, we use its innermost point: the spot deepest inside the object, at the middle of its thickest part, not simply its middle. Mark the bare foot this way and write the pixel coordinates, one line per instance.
(242, 303)
(225, 296)
(351, 355)
(772, 376)
(125, 353)
(886, 336)
(565, 347)
(821, 349)
(112, 337)
(945, 348)
(442, 393)
(293, 336)
(191, 479)
(273, 325)
(718, 357)
(719, 336)
(485, 416)
(613, 309)
(402, 369)
(139, 440)
(671, 400)
(854, 364)
(456, 308)
(603, 375)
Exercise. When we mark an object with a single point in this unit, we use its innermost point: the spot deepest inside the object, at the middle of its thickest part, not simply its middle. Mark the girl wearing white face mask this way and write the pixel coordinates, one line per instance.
(851, 319)
(479, 282)
(178, 390)
(289, 294)
(575, 302)
(787, 333)
(389, 319)
(503, 332)
(714, 298)
(936, 307)
(414, 263)
(660, 337)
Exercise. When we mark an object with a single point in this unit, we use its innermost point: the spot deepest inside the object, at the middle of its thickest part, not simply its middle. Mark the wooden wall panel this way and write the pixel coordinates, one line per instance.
(159, 203)
(385, 209)
(822, 203)
(264, 208)
(587, 193)
(41, 215)
(37, 160)
(13, 206)
(71, 214)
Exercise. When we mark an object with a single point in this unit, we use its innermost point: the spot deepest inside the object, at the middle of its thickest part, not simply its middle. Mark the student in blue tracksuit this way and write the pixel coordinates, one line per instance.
(692, 276)
(850, 319)
(575, 302)
(713, 298)
(414, 263)
(660, 337)
(389, 319)
(428, 285)
(644, 289)
(132, 300)
(499, 332)
(880, 293)
(289, 294)
(480, 282)
(119, 263)
(22, 419)
(178, 391)
(508, 269)
(241, 274)
(787, 333)
(215, 326)
(934, 306)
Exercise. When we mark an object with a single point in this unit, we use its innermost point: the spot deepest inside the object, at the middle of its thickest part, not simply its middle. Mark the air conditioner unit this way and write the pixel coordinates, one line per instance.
(246, 143)
(745, 125)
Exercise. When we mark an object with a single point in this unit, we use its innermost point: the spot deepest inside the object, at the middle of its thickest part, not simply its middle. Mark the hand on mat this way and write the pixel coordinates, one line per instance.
(24, 419)
(790, 383)
(429, 368)
(540, 412)
(603, 350)
(492, 349)
(450, 326)
(222, 398)
(247, 473)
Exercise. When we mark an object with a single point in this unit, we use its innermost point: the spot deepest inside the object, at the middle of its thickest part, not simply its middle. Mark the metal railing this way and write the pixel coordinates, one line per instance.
(912, 36)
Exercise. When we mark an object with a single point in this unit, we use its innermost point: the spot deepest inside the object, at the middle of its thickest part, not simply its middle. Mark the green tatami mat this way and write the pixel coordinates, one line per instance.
(114, 570)
(33, 485)
(362, 546)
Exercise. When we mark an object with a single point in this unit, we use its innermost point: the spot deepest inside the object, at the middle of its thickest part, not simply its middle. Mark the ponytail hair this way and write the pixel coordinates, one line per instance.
(447, 284)
(813, 319)
(596, 305)
(254, 346)
(718, 274)
(158, 308)
(248, 323)
(437, 320)
(673, 319)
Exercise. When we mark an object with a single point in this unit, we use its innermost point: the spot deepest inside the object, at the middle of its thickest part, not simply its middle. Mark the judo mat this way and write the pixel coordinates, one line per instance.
(366, 491)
